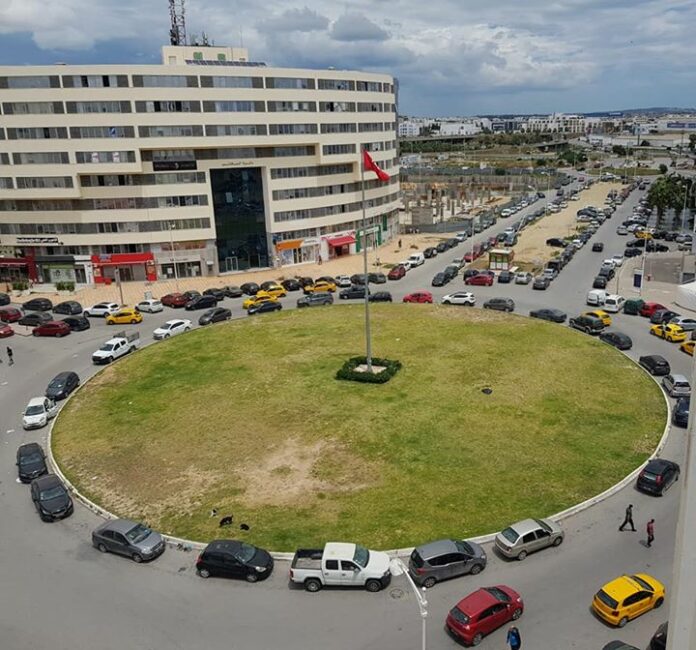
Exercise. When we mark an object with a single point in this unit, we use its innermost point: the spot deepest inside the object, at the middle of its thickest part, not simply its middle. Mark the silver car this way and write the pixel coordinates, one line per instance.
(527, 536)
(446, 558)
(128, 538)
(676, 386)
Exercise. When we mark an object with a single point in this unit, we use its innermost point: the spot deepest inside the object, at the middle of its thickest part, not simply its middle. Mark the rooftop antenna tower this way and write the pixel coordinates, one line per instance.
(177, 30)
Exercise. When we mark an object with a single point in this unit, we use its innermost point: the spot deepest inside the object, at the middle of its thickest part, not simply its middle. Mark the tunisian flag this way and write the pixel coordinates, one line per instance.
(371, 166)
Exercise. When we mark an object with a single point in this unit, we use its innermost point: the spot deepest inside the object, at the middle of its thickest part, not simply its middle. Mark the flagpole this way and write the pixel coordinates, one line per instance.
(368, 343)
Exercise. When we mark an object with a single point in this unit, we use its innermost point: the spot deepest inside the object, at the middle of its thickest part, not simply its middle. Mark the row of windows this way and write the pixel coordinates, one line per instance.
(189, 81)
(43, 182)
(327, 190)
(98, 157)
(115, 180)
(108, 249)
(124, 203)
(336, 149)
(160, 155)
(99, 228)
(313, 213)
(6, 183)
(307, 172)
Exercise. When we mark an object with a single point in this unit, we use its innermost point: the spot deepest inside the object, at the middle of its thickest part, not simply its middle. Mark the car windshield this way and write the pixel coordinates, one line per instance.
(544, 525)
(52, 493)
(416, 559)
(498, 594)
(464, 547)
(107, 347)
(650, 476)
(607, 599)
(37, 409)
(245, 553)
(34, 457)
(138, 533)
(459, 616)
(645, 585)
(361, 556)
(510, 535)
(56, 383)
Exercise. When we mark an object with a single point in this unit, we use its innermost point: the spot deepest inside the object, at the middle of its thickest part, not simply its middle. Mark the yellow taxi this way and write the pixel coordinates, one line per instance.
(261, 296)
(642, 234)
(669, 332)
(321, 286)
(275, 290)
(125, 317)
(601, 314)
(688, 347)
(627, 597)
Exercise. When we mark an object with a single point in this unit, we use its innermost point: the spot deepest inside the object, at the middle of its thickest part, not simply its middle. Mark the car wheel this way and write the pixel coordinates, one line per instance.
(110, 360)
(516, 614)
(166, 336)
(428, 583)
(658, 603)
(446, 302)
(373, 586)
(137, 558)
(204, 573)
(623, 621)
(558, 541)
(102, 548)
(476, 569)
(312, 585)
(35, 333)
(133, 321)
(252, 577)
(522, 555)
(478, 637)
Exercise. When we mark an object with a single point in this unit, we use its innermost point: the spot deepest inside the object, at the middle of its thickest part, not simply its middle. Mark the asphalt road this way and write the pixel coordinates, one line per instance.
(58, 592)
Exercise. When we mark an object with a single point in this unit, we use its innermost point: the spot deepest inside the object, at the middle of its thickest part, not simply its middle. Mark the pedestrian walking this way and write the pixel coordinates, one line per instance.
(628, 519)
(514, 638)
(399, 244)
(651, 532)
(10, 356)
(319, 260)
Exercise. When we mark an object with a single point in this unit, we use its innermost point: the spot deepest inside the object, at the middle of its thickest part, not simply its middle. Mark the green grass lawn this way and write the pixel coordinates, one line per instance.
(246, 417)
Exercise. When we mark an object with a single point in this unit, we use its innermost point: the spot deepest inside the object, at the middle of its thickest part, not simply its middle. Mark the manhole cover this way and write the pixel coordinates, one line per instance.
(396, 593)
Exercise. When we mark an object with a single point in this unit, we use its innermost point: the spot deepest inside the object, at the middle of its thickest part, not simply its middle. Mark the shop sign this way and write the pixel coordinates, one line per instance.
(174, 165)
(38, 240)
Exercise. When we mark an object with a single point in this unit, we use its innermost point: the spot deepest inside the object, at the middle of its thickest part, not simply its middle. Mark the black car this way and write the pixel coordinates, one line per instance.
(680, 414)
(441, 247)
(555, 241)
(250, 288)
(659, 640)
(505, 277)
(215, 315)
(429, 252)
(670, 236)
(380, 296)
(600, 282)
(656, 247)
(661, 316)
(69, 308)
(264, 307)
(4, 299)
(358, 278)
(201, 302)
(232, 291)
(597, 247)
(655, 364)
(77, 323)
(452, 242)
(35, 319)
(62, 385)
(352, 293)
(50, 497)
(632, 252)
(191, 295)
(469, 273)
(635, 243)
(553, 315)
(617, 339)
(657, 476)
(31, 462)
(377, 278)
(305, 281)
(541, 283)
(606, 272)
(218, 294)
(618, 645)
(587, 324)
(291, 284)
(320, 298)
(38, 304)
(439, 280)
(451, 271)
(228, 558)
(500, 304)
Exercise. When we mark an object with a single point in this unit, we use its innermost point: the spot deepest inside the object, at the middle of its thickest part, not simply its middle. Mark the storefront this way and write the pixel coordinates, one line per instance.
(17, 269)
(372, 237)
(55, 268)
(131, 266)
(297, 251)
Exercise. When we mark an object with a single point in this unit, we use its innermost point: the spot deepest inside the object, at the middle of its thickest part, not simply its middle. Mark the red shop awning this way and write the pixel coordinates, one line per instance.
(341, 241)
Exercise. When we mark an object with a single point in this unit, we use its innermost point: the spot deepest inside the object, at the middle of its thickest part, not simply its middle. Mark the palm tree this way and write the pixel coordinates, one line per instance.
(666, 192)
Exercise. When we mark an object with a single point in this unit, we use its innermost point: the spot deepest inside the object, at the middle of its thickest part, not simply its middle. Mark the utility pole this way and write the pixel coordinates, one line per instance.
(368, 336)
(398, 568)
(173, 258)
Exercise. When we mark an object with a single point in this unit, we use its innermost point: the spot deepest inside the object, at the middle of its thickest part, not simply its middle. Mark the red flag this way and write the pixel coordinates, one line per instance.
(371, 166)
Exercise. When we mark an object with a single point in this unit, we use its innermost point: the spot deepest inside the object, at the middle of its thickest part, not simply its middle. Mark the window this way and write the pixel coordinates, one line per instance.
(291, 107)
(6, 183)
(233, 107)
(77, 132)
(168, 106)
(336, 84)
(38, 133)
(231, 82)
(337, 107)
(371, 107)
(348, 566)
(96, 157)
(370, 127)
(41, 158)
(289, 83)
(5, 159)
(235, 129)
(95, 81)
(305, 172)
(292, 129)
(26, 81)
(346, 127)
(164, 81)
(43, 182)
(369, 86)
(170, 131)
(336, 149)
(158, 155)
(98, 107)
(332, 565)
(528, 538)
(32, 108)
(542, 534)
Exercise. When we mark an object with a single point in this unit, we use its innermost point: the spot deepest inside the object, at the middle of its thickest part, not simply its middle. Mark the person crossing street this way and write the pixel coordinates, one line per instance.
(628, 519)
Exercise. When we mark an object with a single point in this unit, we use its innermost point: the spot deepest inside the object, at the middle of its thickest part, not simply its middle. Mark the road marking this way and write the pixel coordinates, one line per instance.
(10, 431)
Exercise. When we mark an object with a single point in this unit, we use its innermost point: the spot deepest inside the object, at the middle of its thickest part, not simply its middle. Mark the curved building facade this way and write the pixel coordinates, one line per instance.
(208, 162)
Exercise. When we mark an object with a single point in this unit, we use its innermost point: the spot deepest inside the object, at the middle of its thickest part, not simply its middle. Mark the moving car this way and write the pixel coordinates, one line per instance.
(62, 385)
(171, 328)
(203, 302)
(51, 498)
(320, 286)
(500, 304)
(627, 597)
(257, 299)
(676, 385)
(69, 308)
(35, 319)
(419, 296)
(483, 612)
(601, 314)
(527, 536)
(617, 339)
(655, 364)
(315, 299)
(671, 333)
(215, 315)
(102, 309)
(31, 462)
(38, 304)
(657, 476)
(124, 317)
(541, 283)
(587, 324)
(659, 639)
(174, 300)
(227, 558)
(444, 559)
(481, 279)
(150, 306)
(688, 347)
(55, 328)
(459, 298)
(38, 412)
(128, 538)
(440, 280)
(397, 272)
(10, 314)
(116, 347)
(553, 315)
(264, 307)
(597, 247)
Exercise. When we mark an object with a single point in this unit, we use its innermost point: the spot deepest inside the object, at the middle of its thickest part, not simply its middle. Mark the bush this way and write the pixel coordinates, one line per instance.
(349, 373)
(20, 286)
(65, 286)
(663, 168)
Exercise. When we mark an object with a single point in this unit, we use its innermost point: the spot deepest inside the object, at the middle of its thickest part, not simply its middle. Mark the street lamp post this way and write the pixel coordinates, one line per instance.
(399, 568)
(171, 250)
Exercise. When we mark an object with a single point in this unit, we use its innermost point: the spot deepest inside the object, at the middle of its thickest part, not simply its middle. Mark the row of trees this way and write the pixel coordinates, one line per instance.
(671, 192)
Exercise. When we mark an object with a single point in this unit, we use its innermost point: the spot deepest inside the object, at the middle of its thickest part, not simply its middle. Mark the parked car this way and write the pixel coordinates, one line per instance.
(483, 612)
(441, 247)
(217, 293)
(77, 323)
(541, 283)
(315, 299)
(272, 288)
(51, 498)
(459, 298)
(35, 319)
(201, 302)
(556, 242)
(377, 278)
(352, 293)
(664, 316)
(125, 316)
(686, 323)
(553, 315)
(174, 300)
(215, 315)
(657, 476)
(4, 299)
(446, 558)
(627, 597)
(227, 558)
(150, 306)
(343, 281)
(505, 277)
(171, 328)
(62, 385)
(617, 339)
(38, 304)
(10, 314)
(587, 324)
(5, 331)
(649, 308)
(429, 252)
(69, 308)
(500, 304)
(419, 296)
(523, 277)
(250, 288)
(397, 272)
(680, 414)
(482, 279)
(452, 271)
(528, 536)
(659, 639)
(264, 307)
(38, 412)
(291, 284)
(632, 252)
(380, 296)
(469, 273)
(233, 291)
(359, 279)
(102, 309)
(440, 280)
(55, 328)
(671, 333)
(31, 462)
(600, 282)
(128, 538)
(597, 247)
(655, 364)
(676, 385)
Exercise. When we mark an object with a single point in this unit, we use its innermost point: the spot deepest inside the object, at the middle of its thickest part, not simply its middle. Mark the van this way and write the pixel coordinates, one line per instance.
(614, 303)
(596, 297)
(416, 259)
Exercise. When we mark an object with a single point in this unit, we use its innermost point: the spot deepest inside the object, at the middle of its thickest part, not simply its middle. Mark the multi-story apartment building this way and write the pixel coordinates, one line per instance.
(557, 123)
(208, 162)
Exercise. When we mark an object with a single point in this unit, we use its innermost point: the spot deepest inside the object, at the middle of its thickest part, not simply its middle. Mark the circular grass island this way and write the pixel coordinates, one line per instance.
(248, 419)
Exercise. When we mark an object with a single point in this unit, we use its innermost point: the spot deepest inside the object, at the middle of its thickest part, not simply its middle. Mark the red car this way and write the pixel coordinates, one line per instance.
(483, 612)
(5, 331)
(419, 296)
(397, 272)
(10, 314)
(481, 279)
(649, 308)
(175, 300)
(55, 328)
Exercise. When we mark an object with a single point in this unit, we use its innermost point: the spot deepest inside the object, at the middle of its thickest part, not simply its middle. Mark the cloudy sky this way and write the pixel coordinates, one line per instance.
(452, 57)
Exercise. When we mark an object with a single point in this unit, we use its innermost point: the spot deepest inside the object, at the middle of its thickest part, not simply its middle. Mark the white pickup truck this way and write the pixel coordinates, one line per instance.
(340, 564)
(116, 347)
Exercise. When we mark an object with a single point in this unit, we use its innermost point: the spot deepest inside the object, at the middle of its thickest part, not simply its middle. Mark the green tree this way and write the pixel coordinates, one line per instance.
(692, 141)
(665, 193)
(663, 168)
(619, 150)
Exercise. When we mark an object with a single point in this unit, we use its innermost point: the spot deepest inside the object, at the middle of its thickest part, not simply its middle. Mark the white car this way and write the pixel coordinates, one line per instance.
(633, 227)
(406, 264)
(102, 309)
(460, 236)
(343, 281)
(578, 243)
(459, 298)
(150, 306)
(38, 412)
(609, 263)
(172, 328)
(523, 278)
(618, 260)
